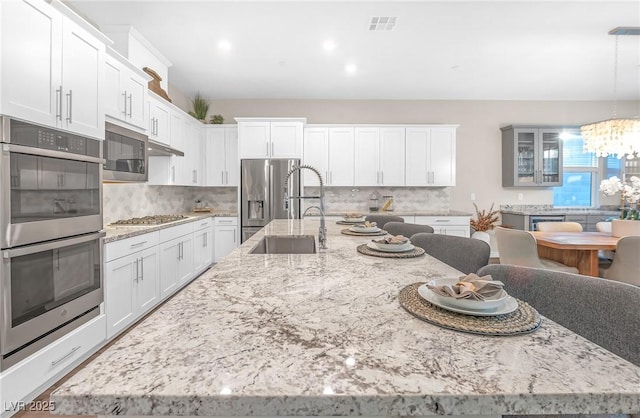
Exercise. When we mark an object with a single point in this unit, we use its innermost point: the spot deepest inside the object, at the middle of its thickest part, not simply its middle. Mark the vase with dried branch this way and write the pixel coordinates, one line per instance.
(484, 220)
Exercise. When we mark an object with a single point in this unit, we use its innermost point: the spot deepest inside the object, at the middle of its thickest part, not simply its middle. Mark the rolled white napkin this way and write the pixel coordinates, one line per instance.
(470, 287)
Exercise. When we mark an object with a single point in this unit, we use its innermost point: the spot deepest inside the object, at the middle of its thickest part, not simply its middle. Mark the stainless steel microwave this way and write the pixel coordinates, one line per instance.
(125, 153)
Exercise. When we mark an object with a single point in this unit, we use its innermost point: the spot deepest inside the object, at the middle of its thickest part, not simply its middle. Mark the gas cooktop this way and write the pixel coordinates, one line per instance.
(149, 220)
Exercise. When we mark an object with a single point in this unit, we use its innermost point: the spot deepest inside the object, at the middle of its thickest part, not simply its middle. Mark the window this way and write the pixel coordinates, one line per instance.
(580, 180)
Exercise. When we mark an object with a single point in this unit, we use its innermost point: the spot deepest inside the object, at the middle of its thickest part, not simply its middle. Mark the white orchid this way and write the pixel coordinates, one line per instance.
(630, 192)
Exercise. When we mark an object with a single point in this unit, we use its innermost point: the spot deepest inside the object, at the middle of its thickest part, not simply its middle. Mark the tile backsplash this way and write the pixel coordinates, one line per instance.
(128, 200)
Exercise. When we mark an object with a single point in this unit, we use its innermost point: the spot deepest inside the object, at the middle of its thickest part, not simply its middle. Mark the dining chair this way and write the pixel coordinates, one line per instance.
(406, 229)
(602, 311)
(559, 227)
(461, 253)
(626, 262)
(519, 248)
(603, 226)
(382, 220)
(605, 257)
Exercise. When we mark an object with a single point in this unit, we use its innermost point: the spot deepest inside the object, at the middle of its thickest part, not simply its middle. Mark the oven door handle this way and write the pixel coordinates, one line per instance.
(53, 154)
(52, 245)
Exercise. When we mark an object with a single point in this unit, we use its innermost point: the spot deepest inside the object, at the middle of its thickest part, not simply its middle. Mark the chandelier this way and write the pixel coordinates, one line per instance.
(614, 136)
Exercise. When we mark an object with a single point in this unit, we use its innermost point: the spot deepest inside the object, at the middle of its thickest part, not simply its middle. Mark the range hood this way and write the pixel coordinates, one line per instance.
(156, 149)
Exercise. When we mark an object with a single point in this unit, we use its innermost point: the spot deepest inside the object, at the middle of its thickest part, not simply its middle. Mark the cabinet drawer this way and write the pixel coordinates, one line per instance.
(226, 220)
(576, 218)
(202, 224)
(175, 231)
(114, 250)
(47, 365)
(594, 219)
(442, 220)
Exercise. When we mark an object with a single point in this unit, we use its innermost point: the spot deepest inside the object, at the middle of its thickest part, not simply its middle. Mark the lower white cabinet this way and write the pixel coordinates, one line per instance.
(226, 236)
(130, 288)
(176, 263)
(447, 225)
(203, 245)
(27, 379)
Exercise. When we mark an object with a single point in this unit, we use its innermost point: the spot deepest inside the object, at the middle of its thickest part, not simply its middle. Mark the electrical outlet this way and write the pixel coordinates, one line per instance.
(473, 197)
(520, 196)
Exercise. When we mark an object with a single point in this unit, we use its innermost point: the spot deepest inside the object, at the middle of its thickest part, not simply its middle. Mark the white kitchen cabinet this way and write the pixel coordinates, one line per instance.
(52, 68)
(330, 150)
(159, 119)
(447, 225)
(176, 263)
(270, 138)
(42, 369)
(379, 156)
(192, 146)
(203, 245)
(125, 96)
(131, 283)
(431, 156)
(222, 164)
(225, 236)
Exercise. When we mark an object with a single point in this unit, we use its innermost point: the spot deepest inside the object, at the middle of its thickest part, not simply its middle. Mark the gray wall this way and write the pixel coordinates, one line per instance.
(478, 137)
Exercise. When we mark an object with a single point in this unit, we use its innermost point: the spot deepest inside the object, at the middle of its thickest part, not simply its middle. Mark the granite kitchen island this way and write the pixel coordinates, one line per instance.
(324, 335)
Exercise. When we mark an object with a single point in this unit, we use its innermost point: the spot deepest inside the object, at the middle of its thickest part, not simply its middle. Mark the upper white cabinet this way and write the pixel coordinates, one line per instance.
(431, 156)
(220, 153)
(379, 156)
(330, 150)
(125, 96)
(270, 138)
(159, 119)
(52, 68)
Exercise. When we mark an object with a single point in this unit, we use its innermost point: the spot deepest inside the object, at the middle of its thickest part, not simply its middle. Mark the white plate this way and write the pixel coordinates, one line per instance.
(391, 247)
(467, 304)
(508, 306)
(394, 248)
(368, 229)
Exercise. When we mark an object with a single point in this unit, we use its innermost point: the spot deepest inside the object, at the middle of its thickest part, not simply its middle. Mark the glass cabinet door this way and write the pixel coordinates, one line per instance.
(525, 156)
(550, 158)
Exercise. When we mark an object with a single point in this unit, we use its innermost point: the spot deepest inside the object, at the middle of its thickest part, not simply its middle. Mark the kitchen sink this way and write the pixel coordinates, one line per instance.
(285, 244)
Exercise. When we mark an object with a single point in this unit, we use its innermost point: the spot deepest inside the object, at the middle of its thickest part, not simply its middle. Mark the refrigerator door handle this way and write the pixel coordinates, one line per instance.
(271, 186)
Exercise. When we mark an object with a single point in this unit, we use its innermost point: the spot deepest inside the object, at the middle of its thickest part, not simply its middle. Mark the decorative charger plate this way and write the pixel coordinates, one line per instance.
(348, 231)
(523, 320)
(415, 252)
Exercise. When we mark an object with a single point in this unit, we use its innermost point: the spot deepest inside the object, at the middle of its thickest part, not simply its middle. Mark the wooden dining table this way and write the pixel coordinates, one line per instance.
(575, 249)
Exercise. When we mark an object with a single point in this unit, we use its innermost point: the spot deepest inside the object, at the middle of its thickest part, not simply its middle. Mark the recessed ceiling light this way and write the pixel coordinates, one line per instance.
(224, 45)
(329, 46)
(351, 68)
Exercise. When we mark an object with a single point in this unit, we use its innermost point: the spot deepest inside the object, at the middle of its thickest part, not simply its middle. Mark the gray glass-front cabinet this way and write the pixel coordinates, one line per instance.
(531, 157)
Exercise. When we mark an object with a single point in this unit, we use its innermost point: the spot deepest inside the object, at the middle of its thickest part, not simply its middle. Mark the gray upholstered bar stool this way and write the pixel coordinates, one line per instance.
(406, 229)
(381, 220)
(461, 253)
(626, 262)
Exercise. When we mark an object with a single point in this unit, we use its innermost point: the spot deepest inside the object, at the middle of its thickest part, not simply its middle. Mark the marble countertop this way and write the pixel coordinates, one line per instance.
(560, 211)
(401, 213)
(118, 232)
(323, 334)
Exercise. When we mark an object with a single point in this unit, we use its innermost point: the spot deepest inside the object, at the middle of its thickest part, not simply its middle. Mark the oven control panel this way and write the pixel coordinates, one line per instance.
(30, 135)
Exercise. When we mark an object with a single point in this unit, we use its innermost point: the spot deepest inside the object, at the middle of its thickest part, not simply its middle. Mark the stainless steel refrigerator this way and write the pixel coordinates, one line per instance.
(262, 193)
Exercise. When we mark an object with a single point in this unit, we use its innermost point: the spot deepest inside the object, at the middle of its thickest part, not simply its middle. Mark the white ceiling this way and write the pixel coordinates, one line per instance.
(501, 50)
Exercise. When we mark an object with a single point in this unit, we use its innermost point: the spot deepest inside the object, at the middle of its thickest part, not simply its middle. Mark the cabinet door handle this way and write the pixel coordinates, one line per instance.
(272, 149)
(70, 106)
(204, 239)
(267, 147)
(137, 271)
(382, 177)
(141, 268)
(73, 350)
(138, 244)
(130, 103)
(194, 176)
(173, 173)
(124, 96)
(222, 177)
(59, 104)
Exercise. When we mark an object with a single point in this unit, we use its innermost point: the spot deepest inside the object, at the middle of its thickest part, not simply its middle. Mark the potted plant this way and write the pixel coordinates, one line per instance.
(216, 120)
(483, 223)
(629, 222)
(200, 108)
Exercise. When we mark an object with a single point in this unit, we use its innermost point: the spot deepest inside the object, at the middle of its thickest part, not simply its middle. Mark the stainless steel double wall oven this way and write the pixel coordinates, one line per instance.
(50, 238)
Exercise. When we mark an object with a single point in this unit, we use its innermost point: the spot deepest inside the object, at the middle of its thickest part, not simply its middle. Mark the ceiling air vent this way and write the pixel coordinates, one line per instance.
(382, 23)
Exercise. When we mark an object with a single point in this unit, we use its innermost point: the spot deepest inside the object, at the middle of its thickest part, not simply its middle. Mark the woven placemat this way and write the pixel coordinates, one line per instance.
(349, 223)
(416, 252)
(523, 320)
(347, 231)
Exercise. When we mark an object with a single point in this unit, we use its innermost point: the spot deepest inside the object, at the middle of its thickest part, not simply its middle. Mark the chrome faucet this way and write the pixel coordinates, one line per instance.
(309, 208)
(322, 231)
